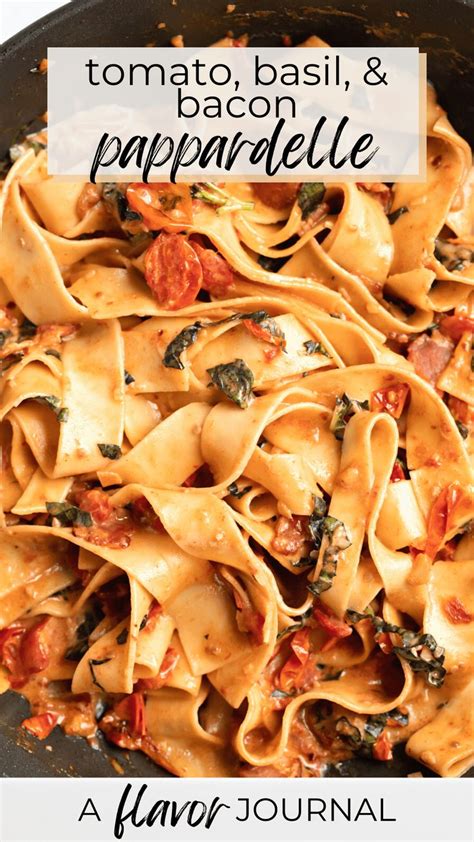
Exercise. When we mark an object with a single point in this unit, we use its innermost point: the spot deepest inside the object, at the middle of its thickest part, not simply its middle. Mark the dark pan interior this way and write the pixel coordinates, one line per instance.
(442, 28)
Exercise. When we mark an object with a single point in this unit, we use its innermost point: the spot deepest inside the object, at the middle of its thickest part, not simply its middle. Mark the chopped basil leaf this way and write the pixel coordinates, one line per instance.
(54, 403)
(464, 431)
(94, 662)
(12, 359)
(235, 380)
(110, 451)
(214, 195)
(84, 630)
(316, 521)
(233, 489)
(51, 352)
(117, 201)
(420, 650)
(122, 637)
(344, 409)
(4, 335)
(301, 621)
(129, 378)
(185, 338)
(27, 330)
(313, 347)
(338, 540)
(392, 217)
(68, 514)
(310, 195)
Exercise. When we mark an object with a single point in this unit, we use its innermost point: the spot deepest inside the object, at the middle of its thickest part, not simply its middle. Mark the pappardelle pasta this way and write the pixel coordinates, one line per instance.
(236, 438)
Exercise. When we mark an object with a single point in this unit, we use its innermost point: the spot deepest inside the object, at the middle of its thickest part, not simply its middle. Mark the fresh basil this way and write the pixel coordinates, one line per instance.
(338, 540)
(110, 451)
(184, 339)
(210, 193)
(122, 637)
(188, 335)
(67, 514)
(300, 623)
(234, 490)
(312, 347)
(394, 215)
(117, 201)
(344, 409)
(27, 330)
(420, 650)
(54, 403)
(235, 380)
(129, 378)
(94, 662)
(463, 430)
(84, 630)
(51, 352)
(310, 195)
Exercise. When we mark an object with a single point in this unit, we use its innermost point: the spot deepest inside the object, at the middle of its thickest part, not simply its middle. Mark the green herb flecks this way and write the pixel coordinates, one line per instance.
(299, 624)
(338, 540)
(237, 492)
(235, 379)
(313, 347)
(122, 637)
(110, 451)
(218, 198)
(310, 195)
(420, 650)
(54, 403)
(396, 214)
(344, 409)
(94, 662)
(69, 515)
(4, 335)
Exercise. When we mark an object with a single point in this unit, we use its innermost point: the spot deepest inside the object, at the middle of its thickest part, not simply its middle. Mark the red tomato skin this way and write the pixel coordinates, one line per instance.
(41, 725)
(392, 399)
(456, 612)
(173, 271)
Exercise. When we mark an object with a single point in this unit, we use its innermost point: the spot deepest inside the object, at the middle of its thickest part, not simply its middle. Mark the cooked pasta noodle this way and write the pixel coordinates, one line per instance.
(236, 428)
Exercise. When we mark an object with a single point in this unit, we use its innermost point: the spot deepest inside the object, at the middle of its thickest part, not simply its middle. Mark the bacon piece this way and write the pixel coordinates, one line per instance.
(456, 612)
(96, 502)
(41, 725)
(277, 195)
(335, 628)
(461, 411)
(455, 326)
(173, 271)
(382, 749)
(430, 355)
(447, 510)
(161, 204)
(217, 275)
(168, 664)
(392, 399)
(290, 535)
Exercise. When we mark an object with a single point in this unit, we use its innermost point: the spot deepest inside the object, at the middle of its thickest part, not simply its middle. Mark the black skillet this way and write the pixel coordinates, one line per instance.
(443, 28)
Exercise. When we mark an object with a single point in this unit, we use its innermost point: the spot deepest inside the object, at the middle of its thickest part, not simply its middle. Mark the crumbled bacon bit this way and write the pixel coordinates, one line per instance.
(456, 612)
(290, 535)
(430, 355)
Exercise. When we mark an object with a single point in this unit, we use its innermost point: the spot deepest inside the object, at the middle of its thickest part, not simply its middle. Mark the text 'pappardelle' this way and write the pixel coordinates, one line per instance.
(236, 427)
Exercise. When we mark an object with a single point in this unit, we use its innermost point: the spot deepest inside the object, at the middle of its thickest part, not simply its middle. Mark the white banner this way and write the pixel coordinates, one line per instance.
(252, 113)
(224, 810)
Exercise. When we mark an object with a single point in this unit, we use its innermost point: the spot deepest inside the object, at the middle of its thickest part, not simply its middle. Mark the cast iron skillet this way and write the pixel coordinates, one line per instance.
(443, 28)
